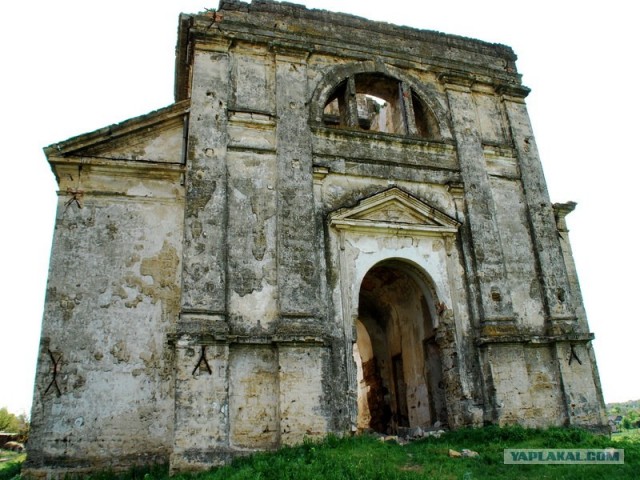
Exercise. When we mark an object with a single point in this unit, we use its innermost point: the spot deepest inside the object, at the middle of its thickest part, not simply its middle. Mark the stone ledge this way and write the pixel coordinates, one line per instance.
(189, 339)
(535, 339)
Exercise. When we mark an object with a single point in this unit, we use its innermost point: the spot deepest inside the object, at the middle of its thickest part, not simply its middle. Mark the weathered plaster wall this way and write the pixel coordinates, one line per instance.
(526, 390)
(254, 397)
(518, 252)
(304, 400)
(253, 301)
(104, 381)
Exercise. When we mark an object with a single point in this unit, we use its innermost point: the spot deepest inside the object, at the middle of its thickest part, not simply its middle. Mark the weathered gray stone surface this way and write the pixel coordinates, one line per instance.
(339, 225)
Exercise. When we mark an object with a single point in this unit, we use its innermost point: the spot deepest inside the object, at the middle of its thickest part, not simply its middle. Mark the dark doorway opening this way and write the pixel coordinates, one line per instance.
(398, 361)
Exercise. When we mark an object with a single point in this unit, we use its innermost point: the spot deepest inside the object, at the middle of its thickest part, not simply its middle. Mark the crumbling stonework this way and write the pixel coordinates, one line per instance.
(338, 225)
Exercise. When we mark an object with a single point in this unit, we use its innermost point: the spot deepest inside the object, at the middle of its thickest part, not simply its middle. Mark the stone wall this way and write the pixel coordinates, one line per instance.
(216, 261)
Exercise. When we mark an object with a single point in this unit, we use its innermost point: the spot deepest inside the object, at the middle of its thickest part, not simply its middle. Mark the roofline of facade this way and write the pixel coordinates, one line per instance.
(238, 21)
(106, 134)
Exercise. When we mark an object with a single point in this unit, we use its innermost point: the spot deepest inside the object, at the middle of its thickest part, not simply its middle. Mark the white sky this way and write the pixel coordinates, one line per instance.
(70, 67)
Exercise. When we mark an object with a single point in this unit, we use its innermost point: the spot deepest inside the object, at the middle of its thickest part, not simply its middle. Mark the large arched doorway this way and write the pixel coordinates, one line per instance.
(398, 361)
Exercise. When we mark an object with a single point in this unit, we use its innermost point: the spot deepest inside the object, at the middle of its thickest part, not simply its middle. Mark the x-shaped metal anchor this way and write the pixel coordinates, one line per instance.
(54, 370)
(574, 355)
(202, 360)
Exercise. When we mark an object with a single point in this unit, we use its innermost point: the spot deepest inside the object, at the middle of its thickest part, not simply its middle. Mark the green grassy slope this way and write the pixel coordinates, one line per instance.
(366, 457)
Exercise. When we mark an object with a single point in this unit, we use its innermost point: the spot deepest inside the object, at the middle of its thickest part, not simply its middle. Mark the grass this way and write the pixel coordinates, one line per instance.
(10, 464)
(633, 434)
(365, 457)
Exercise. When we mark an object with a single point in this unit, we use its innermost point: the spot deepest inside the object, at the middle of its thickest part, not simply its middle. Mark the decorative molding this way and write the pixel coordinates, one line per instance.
(456, 189)
(560, 211)
(394, 212)
(291, 51)
(454, 81)
(319, 173)
(516, 91)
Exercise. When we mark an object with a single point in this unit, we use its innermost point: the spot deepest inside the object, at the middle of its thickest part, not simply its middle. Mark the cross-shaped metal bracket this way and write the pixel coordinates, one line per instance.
(574, 355)
(55, 369)
(75, 197)
(202, 361)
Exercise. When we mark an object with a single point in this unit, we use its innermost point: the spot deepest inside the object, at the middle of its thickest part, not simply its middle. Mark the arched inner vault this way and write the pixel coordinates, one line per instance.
(399, 371)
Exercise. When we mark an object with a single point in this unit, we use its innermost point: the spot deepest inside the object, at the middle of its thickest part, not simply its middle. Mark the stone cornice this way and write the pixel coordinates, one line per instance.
(514, 91)
(239, 11)
(463, 81)
(561, 210)
(78, 173)
(320, 31)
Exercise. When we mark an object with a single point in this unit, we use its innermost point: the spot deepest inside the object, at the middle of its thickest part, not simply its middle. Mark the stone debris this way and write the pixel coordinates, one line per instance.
(418, 432)
(464, 453)
(406, 435)
(469, 453)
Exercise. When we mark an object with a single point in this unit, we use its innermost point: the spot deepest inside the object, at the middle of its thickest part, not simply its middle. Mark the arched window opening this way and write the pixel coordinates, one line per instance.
(378, 103)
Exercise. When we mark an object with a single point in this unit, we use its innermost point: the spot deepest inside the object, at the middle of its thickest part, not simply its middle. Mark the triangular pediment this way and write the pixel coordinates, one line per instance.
(155, 137)
(394, 209)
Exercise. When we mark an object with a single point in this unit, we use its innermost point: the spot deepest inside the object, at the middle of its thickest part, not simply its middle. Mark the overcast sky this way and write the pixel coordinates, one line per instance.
(70, 67)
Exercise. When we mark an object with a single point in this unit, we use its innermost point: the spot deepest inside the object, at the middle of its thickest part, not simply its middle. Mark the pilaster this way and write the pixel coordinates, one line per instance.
(552, 271)
(296, 237)
(496, 308)
(204, 260)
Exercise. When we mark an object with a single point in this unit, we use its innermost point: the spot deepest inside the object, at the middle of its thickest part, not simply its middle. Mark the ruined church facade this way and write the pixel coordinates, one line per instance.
(339, 225)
